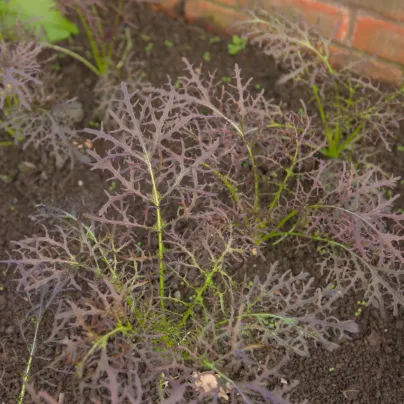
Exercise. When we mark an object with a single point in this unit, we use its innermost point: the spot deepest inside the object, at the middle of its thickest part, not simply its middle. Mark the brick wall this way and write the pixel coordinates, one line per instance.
(361, 27)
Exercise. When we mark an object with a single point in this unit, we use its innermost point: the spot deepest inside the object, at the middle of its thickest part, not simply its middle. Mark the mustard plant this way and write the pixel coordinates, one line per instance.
(154, 297)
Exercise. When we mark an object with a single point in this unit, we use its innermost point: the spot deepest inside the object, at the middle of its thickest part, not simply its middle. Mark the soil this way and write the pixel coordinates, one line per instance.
(367, 370)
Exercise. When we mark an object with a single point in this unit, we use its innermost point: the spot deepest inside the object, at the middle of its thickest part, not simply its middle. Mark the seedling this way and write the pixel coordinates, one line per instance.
(148, 48)
(168, 43)
(361, 304)
(56, 67)
(337, 141)
(206, 57)
(94, 124)
(5, 178)
(112, 186)
(177, 84)
(145, 37)
(237, 45)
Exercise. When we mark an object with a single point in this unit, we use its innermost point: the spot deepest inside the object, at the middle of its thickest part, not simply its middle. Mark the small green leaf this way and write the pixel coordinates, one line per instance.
(149, 47)
(112, 187)
(56, 67)
(238, 44)
(206, 57)
(6, 178)
(168, 43)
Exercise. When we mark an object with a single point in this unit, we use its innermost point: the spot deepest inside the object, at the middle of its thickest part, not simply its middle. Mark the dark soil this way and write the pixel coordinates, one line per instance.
(367, 370)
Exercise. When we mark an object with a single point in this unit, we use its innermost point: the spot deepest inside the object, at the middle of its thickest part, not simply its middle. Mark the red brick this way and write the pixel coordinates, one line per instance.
(379, 37)
(231, 3)
(393, 9)
(212, 15)
(331, 20)
(374, 68)
(171, 7)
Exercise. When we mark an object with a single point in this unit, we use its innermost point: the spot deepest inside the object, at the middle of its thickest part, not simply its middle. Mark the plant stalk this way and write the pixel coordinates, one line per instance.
(75, 56)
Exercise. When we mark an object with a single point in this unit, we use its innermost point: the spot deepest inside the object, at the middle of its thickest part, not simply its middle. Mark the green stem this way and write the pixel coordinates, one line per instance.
(127, 49)
(156, 199)
(227, 183)
(250, 153)
(104, 53)
(321, 111)
(114, 31)
(30, 359)
(311, 237)
(159, 225)
(266, 237)
(101, 342)
(75, 56)
(208, 280)
(254, 169)
(96, 54)
(289, 173)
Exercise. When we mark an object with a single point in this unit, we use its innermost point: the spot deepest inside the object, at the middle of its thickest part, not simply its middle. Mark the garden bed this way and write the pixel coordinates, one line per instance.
(366, 370)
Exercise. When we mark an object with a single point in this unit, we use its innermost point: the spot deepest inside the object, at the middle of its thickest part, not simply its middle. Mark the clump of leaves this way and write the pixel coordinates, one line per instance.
(350, 107)
(19, 73)
(52, 130)
(49, 125)
(31, 112)
(145, 301)
(237, 45)
(50, 121)
(299, 198)
(104, 34)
